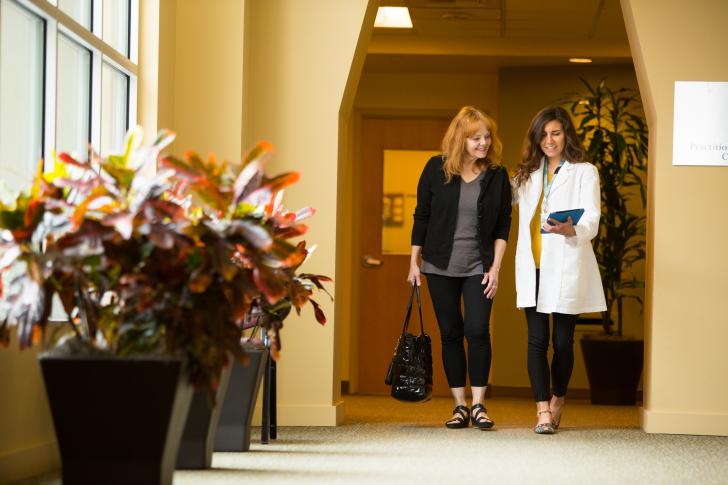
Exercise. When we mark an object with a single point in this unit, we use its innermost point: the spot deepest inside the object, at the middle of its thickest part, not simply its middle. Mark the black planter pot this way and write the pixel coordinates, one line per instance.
(614, 367)
(195, 449)
(117, 420)
(233, 431)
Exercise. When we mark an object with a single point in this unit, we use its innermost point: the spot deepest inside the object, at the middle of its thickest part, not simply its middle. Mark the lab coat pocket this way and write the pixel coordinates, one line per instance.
(571, 271)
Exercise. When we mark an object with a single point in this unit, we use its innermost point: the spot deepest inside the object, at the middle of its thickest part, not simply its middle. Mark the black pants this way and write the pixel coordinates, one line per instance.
(562, 362)
(446, 292)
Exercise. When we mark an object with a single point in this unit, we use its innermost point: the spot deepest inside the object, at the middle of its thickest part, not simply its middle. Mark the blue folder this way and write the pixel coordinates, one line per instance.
(561, 216)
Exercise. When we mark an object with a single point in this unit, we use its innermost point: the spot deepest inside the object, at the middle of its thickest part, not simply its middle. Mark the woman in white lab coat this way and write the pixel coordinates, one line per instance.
(556, 270)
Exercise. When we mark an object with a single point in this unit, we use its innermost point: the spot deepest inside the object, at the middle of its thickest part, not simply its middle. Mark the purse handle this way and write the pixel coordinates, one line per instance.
(415, 289)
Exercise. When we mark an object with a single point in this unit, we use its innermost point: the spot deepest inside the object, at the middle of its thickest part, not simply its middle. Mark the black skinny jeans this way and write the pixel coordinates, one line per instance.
(446, 292)
(562, 362)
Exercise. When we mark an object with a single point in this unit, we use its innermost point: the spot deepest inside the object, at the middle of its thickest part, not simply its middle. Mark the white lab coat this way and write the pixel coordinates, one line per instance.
(569, 275)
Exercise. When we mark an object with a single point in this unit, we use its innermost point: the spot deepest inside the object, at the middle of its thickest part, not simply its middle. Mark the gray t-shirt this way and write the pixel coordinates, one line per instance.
(465, 257)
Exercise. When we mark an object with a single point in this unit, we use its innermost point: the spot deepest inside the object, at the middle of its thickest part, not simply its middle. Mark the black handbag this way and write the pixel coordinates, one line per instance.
(410, 371)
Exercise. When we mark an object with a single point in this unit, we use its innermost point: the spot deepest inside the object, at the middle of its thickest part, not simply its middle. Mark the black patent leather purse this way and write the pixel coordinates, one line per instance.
(410, 371)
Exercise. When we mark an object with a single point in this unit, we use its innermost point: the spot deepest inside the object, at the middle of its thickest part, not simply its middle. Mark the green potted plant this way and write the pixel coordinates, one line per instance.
(612, 127)
(154, 288)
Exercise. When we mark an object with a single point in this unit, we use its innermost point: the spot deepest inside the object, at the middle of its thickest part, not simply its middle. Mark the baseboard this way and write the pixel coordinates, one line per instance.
(661, 422)
(526, 393)
(306, 415)
(29, 462)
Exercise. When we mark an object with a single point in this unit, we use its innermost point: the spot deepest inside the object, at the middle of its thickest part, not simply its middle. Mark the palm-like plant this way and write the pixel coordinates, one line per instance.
(168, 264)
(612, 127)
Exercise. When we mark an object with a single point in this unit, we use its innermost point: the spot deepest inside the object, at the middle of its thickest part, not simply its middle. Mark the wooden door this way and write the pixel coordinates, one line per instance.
(383, 290)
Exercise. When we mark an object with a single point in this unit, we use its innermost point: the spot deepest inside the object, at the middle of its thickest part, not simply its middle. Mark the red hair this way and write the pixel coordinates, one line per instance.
(467, 122)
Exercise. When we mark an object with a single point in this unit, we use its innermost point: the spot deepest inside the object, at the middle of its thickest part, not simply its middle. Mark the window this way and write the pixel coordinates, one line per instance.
(79, 88)
(116, 25)
(114, 112)
(73, 98)
(21, 94)
(67, 81)
(79, 10)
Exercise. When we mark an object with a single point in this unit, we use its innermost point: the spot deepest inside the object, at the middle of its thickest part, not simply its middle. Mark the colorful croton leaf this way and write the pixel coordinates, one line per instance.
(168, 263)
(246, 205)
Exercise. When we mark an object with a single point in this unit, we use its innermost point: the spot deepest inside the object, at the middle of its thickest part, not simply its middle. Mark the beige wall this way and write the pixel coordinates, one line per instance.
(208, 77)
(524, 91)
(686, 327)
(155, 109)
(301, 54)
(27, 438)
(166, 60)
(250, 70)
(411, 92)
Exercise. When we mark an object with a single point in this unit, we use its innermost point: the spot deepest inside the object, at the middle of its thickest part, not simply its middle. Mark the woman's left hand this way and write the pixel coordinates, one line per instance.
(553, 226)
(490, 281)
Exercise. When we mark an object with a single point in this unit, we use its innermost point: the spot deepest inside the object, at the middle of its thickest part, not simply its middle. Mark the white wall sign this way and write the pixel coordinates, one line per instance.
(700, 125)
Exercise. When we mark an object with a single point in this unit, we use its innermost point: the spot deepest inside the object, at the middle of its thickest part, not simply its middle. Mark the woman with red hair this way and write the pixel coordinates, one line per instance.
(460, 229)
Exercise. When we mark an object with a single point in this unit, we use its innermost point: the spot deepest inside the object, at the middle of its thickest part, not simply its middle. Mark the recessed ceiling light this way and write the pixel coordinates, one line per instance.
(393, 18)
(580, 60)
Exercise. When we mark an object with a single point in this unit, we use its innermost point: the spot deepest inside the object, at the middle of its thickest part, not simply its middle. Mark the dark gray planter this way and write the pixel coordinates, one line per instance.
(117, 420)
(233, 431)
(195, 449)
(613, 366)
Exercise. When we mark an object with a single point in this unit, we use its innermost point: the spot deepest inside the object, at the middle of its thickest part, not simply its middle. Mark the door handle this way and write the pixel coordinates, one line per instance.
(370, 262)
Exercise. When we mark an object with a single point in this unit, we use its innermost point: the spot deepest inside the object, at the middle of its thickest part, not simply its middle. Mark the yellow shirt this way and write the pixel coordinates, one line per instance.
(536, 229)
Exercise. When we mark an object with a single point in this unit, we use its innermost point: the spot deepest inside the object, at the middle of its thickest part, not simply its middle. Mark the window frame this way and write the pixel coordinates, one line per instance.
(58, 22)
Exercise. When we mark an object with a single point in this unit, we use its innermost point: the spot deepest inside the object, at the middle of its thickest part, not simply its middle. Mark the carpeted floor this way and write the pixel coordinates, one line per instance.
(384, 441)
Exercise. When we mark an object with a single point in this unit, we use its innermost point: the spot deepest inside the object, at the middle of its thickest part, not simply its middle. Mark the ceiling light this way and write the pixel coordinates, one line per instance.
(393, 18)
(580, 60)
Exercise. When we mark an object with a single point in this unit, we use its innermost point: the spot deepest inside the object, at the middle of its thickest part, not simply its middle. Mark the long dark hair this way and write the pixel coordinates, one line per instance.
(532, 153)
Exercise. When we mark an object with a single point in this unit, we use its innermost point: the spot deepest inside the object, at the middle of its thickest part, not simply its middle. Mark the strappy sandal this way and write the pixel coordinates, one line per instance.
(544, 428)
(460, 420)
(477, 415)
(556, 418)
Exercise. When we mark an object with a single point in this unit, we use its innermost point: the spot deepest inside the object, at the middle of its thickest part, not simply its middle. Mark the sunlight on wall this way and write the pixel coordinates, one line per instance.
(402, 169)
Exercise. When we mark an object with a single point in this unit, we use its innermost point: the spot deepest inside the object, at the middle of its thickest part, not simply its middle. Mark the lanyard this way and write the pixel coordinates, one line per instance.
(546, 184)
(547, 188)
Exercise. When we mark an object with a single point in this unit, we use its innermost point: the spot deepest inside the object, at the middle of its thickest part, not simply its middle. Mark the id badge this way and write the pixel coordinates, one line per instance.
(544, 214)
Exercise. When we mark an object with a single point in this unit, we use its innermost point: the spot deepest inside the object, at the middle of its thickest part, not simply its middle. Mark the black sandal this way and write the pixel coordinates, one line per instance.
(479, 420)
(460, 420)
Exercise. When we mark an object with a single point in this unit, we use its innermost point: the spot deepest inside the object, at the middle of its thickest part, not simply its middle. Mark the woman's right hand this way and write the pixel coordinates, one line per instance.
(414, 275)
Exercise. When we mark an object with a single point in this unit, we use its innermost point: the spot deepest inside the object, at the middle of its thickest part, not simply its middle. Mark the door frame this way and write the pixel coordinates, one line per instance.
(351, 251)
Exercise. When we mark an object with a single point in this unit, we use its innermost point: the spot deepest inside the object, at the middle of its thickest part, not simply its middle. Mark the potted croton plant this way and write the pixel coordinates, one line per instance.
(154, 275)
(247, 207)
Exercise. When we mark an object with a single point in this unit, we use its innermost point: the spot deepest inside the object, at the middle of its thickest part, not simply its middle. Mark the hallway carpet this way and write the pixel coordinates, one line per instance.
(385, 441)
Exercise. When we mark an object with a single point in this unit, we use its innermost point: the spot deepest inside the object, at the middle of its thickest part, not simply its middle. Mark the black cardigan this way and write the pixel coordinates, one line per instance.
(437, 209)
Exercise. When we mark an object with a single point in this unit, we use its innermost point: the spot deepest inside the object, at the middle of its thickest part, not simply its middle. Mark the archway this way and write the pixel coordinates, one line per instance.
(508, 65)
